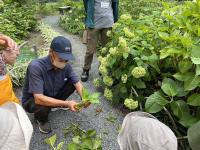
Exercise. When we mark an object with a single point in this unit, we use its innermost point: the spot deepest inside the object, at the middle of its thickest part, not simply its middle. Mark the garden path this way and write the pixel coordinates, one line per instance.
(87, 119)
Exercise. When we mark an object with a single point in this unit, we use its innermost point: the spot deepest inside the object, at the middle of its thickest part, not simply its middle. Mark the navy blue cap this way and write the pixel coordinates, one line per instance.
(63, 48)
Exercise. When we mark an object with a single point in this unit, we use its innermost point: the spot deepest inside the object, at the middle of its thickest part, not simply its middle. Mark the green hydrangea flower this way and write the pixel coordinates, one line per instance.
(104, 50)
(138, 72)
(100, 58)
(108, 94)
(115, 26)
(113, 51)
(122, 42)
(124, 78)
(103, 70)
(126, 17)
(107, 80)
(130, 103)
(104, 61)
(128, 33)
(108, 33)
(97, 82)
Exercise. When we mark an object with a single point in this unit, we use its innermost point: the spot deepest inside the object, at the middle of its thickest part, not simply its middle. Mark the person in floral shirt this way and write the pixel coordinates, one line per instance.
(8, 54)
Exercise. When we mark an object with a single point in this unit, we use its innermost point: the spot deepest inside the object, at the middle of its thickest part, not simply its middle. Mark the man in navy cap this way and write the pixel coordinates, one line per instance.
(49, 82)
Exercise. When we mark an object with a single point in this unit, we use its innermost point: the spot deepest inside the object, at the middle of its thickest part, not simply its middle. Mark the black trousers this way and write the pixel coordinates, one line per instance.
(41, 113)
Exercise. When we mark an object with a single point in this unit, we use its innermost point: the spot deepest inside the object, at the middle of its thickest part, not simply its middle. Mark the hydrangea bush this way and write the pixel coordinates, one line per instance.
(154, 62)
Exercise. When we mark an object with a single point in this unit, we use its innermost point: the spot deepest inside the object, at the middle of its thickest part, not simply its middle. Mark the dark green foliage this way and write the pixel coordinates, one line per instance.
(17, 20)
(73, 20)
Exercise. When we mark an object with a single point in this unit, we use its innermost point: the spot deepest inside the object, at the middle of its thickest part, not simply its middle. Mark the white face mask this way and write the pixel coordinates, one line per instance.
(59, 65)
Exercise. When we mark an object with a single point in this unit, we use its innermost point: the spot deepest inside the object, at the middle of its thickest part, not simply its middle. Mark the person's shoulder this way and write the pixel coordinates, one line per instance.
(37, 63)
(68, 67)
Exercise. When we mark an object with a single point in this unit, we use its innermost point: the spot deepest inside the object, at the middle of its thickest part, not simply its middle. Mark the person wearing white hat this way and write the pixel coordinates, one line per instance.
(142, 131)
(15, 127)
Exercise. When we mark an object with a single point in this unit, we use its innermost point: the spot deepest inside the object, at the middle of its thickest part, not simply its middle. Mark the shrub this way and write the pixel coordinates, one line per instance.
(73, 20)
(17, 21)
(164, 47)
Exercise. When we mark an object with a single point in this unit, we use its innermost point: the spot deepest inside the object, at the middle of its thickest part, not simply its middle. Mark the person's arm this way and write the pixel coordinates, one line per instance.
(43, 100)
(85, 5)
(74, 79)
(115, 7)
(36, 87)
(79, 88)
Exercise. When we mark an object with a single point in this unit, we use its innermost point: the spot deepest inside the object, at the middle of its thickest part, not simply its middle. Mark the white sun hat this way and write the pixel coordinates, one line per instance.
(142, 131)
(15, 127)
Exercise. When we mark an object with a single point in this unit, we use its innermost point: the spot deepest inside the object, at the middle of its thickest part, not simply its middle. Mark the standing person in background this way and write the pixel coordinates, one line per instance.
(100, 17)
(8, 54)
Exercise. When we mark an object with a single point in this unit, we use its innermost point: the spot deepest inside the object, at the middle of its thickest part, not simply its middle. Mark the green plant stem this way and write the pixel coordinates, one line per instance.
(173, 122)
(23, 44)
(182, 138)
(135, 92)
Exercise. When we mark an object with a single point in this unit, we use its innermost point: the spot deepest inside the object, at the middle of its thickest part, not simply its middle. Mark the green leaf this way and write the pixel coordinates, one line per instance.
(111, 62)
(125, 55)
(195, 51)
(139, 83)
(189, 26)
(197, 70)
(179, 108)
(163, 35)
(155, 102)
(60, 146)
(94, 98)
(97, 143)
(184, 66)
(195, 60)
(186, 40)
(183, 77)
(199, 31)
(87, 143)
(155, 66)
(194, 136)
(171, 52)
(164, 53)
(192, 83)
(123, 89)
(169, 87)
(195, 54)
(180, 89)
(194, 100)
(51, 141)
(72, 146)
(153, 58)
(85, 94)
(188, 120)
(76, 139)
(91, 133)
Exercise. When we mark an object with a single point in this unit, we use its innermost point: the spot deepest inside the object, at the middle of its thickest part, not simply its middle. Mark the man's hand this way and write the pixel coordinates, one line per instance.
(71, 105)
(8, 43)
